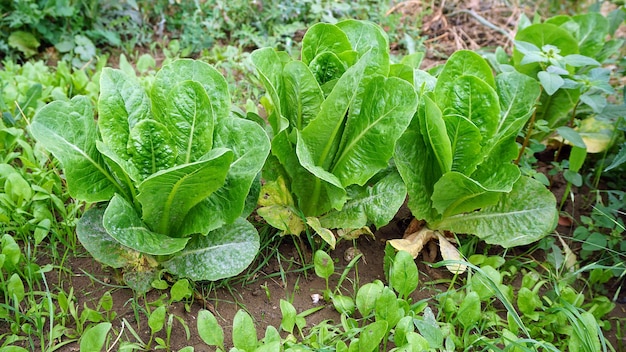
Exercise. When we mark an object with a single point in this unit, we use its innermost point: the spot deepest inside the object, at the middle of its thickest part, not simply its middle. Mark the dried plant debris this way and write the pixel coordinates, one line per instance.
(417, 236)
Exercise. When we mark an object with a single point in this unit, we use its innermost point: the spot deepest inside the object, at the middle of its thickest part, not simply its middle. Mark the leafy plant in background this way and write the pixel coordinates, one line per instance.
(28, 87)
(456, 156)
(565, 54)
(73, 28)
(335, 118)
(173, 166)
(33, 202)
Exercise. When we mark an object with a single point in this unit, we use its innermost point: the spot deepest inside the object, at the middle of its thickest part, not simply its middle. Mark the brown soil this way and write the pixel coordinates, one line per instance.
(260, 296)
(261, 293)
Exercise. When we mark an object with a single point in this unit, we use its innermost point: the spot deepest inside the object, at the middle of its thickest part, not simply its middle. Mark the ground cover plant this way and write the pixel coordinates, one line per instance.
(146, 166)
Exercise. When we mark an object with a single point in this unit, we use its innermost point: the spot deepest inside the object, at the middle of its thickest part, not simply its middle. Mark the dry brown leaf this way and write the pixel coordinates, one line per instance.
(449, 252)
(570, 258)
(414, 242)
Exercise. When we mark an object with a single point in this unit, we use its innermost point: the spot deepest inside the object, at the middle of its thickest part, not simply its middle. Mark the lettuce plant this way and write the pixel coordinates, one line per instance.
(170, 170)
(335, 116)
(456, 155)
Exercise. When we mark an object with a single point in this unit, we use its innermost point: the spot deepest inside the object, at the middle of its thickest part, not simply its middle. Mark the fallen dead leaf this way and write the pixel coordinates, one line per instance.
(414, 242)
(449, 252)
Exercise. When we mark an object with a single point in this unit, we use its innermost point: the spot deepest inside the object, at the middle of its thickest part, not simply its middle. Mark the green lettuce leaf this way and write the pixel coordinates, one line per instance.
(455, 193)
(191, 70)
(122, 222)
(302, 96)
(269, 67)
(67, 129)
(376, 204)
(323, 37)
(122, 104)
(188, 116)
(461, 63)
(387, 106)
(222, 253)
(520, 217)
(418, 165)
(167, 196)
(365, 37)
(151, 148)
(323, 134)
(250, 147)
(99, 243)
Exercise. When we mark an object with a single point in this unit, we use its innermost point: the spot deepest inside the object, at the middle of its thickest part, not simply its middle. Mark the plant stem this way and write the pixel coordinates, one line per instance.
(570, 123)
(529, 131)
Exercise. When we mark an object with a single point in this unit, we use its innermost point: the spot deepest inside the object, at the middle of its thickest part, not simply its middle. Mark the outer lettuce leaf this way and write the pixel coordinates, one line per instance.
(167, 196)
(277, 207)
(191, 70)
(188, 116)
(99, 243)
(122, 222)
(151, 148)
(121, 105)
(67, 130)
(520, 217)
(370, 135)
(250, 147)
(456, 193)
(375, 204)
(323, 37)
(222, 253)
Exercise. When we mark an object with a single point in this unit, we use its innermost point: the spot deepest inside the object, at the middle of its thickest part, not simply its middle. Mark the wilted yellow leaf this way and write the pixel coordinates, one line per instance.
(275, 193)
(277, 208)
(596, 134)
(282, 218)
(349, 234)
(570, 258)
(449, 252)
(327, 235)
